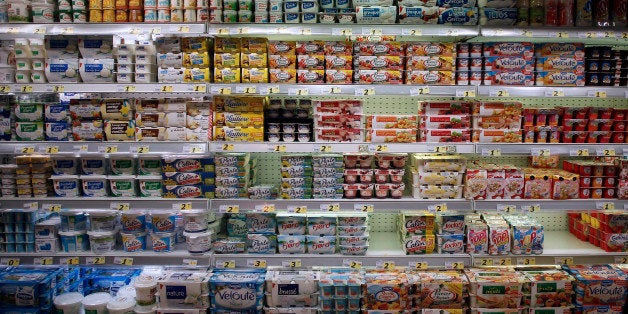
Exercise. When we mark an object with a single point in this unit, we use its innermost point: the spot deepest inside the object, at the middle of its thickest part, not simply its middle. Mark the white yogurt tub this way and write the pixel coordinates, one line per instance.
(122, 186)
(96, 303)
(133, 242)
(94, 185)
(103, 220)
(69, 303)
(194, 220)
(145, 309)
(199, 242)
(126, 291)
(102, 242)
(93, 165)
(121, 305)
(73, 241)
(65, 185)
(73, 220)
(145, 290)
(64, 164)
(150, 186)
(122, 165)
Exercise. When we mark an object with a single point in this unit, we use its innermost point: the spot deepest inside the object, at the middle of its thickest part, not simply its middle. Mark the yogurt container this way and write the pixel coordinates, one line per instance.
(102, 242)
(69, 303)
(96, 303)
(163, 242)
(73, 241)
(149, 165)
(150, 186)
(133, 221)
(93, 165)
(103, 220)
(122, 165)
(133, 242)
(198, 242)
(94, 185)
(64, 164)
(194, 220)
(65, 185)
(73, 220)
(122, 186)
(145, 290)
(163, 221)
(121, 305)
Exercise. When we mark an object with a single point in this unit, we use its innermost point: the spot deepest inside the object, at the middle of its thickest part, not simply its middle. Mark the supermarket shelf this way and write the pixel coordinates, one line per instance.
(101, 29)
(526, 205)
(552, 91)
(45, 203)
(340, 147)
(342, 205)
(343, 30)
(575, 149)
(80, 148)
(562, 33)
(559, 245)
(104, 88)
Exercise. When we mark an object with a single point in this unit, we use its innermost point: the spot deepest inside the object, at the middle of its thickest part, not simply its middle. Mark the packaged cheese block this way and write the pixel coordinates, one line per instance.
(119, 130)
(157, 119)
(248, 134)
(238, 119)
(239, 103)
(85, 109)
(226, 60)
(198, 122)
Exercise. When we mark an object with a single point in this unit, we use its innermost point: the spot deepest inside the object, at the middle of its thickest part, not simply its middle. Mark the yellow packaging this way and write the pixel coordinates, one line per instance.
(107, 4)
(254, 44)
(239, 119)
(95, 16)
(226, 60)
(255, 75)
(282, 75)
(239, 103)
(116, 109)
(108, 15)
(227, 44)
(227, 75)
(253, 60)
(120, 130)
(238, 134)
(194, 44)
(195, 75)
(195, 60)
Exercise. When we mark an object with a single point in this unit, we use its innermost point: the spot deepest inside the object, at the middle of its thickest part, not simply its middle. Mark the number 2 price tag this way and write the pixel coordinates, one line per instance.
(353, 264)
(419, 265)
(297, 209)
(229, 209)
(459, 265)
(386, 265)
(365, 208)
(437, 208)
(95, 260)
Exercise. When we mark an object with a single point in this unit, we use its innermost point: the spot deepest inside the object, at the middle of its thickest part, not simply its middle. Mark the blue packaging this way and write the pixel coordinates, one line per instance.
(57, 131)
(188, 178)
(64, 165)
(73, 221)
(230, 245)
(56, 112)
(184, 163)
(261, 222)
(498, 16)
(163, 222)
(187, 191)
(237, 290)
(450, 243)
(133, 221)
(74, 241)
(163, 242)
(458, 16)
(261, 243)
(236, 225)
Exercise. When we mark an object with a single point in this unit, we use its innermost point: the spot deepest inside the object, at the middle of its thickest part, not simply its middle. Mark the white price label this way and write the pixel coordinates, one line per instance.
(420, 91)
(465, 93)
(411, 31)
(437, 208)
(13, 261)
(128, 261)
(40, 30)
(526, 261)
(323, 149)
(199, 88)
(229, 209)
(67, 30)
(95, 260)
(454, 265)
(108, 149)
(25, 150)
(31, 205)
(120, 206)
(140, 149)
(491, 152)
(555, 93)
(581, 152)
(621, 259)
(227, 147)
(605, 152)
(563, 260)
(53, 208)
(353, 264)
(502, 261)
(605, 205)
(535, 208)
(42, 261)
(82, 148)
(387, 265)
(499, 93)
(182, 206)
(542, 152)
(265, 208)
(190, 262)
(256, 263)
(246, 90)
(194, 149)
(483, 262)
(306, 31)
(365, 208)
(422, 265)
(69, 261)
(342, 31)
(295, 263)
(507, 208)
(299, 91)
(334, 207)
(297, 209)
(365, 91)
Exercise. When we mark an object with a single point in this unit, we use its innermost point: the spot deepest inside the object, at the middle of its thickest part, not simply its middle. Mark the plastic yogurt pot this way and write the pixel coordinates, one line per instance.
(96, 303)
(122, 186)
(69, 303)
(73, 220)
(194, 220)
(126, 291)
(133, 221)
(163, 221)
(121, 305)
(102, 242)
(163, 242)
(149, 165)
(73, 241)
(133, 242)
(93, 165)
(94, 185)
(103, 220)
(198, 242)
(65, 185)
(122, 165)
(150, 186)
(145, 290)
(64, 164)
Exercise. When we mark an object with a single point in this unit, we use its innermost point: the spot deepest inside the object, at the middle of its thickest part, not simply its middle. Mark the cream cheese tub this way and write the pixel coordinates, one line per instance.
(65, 185)
(199, 242)
(133, 221)
(149, 165)
(121, 305)
(163, 242)
(69, 303)
(93, 165)
(64, 164)
(73, 241)
(133, 242)
(163, 221)
(194, 220)
(94, 185)
(103, 220)
(150, 186)
(73, 220)
(96, 303)
(122, 186)
(102, 242)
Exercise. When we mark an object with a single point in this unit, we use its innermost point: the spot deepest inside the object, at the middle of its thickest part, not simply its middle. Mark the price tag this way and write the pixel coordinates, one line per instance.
(272, 90)
(297, 209)
(42, 261)
(491, 152)
(306, 31)
(58, 88)
(526, 261)
(243, 30)
(412, 32)
(182, 206)
(608, 34)
(67, 30)
(387, 265)
(437, 208)
(229, 209)
(342, 31)
(323, 148)
(465, 93)
(624, 35)
(555, 93)
(605, 205)
(13, 261)
(364, 91)
(190, 262)
(561, 35)
(447, 149)
(504, 261)
(295, 263)
(53, 208)
(605, 152)
(221, 90)
(95, 260)
(507, 208)
(193, 149)
(334, 207)
(134, 30)
(5, 89)
(542, 152)
(26, 89)
(299, 91)
(484, 262)
(222, 31)
(563, 260)
(156, 31)
(535, 208)
(372, 31)
(183, 29)
(419, 265)
(334, 90)
(25, 150)
(499, 93)
(281, 30)
(129, 88)
(82, 148)
(166, 89)
(353, 264)
(256, 263)
(582, 152)
(246, 90)
(379, 148)
(109, 149)
(50, 149)
(40, 30)
(227, 147)
(128, 261)
(31, 205)
(265, 208)
(13, 30)
(587, 35)
(621, 259)
(199, 88)
(120, 206)
(281, 148)
(454, 265)
(420, 91)
(69, 261)
(365, 208)
(597, 93)
(140, 149)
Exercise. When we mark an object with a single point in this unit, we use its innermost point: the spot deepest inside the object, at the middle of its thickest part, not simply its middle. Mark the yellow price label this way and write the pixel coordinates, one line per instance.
(423, 91)
(455, 265)
(420, 265)
(95, 260)
(444, 149)
(190, 262)
(268, 208)
(296, 263)
(534, 208)
(526, 261)
(583, 152)
(542, 152)
(353, 264)
(120, 206)
(365, 208)
(484, 262)
(365, 92)
(247, 90)
(134, 30)
(166, 89)
(381, 148)
(600, 94)
(40, 30)
(437, 208)
(109, 149)
(27, 150)
(58, 88)
(342, 31)
(11, 261)
(465, 93)
(142, 150)
(300, 92)
(230, 209)
(387, 265)
(562, 35)
(227, 147)
(506, 261)
(511, 209)
(51, 150)
(335, 90)
(621, 259)
(70, 260)
(67, 30)
(200, 88)
(42, 261)
(129, 88)
(556, 93)
(325, 148)
(226, 264)
(82, 148)
(412, 32)
(279, 148)
(590, 35)
(606, 152)
(243, 30)
(224, 91)
(502, 93)
(273, 90)
(156, 31)
(606, 205)
(624, 35)
(306, 31)
(297, 209)
(257, 263)
(5, 89)
(331, 207)
(609, 34)
(492, 152)
(223, 31)
(183, 29)
(53, 208)
(128, 261)
(563, 260)
(183, 206)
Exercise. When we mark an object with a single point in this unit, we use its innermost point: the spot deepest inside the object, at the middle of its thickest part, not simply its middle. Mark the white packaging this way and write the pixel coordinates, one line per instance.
(175, 134)
(145, 78)
(69, 303)
(124, 68)
(124, 77)
(62, 70)
(46, 245)
(197, 135)
(357, 3)
(96, 303)
(38, 77)
(376, 14)
(94, 48)
(121, 305)
(166, 60)
(170, 75)
(96, 70)
(22, 76)
(7, 75)
(124, 59)
(145, 290)
(145, 68)
(192, 290)
(145, 59)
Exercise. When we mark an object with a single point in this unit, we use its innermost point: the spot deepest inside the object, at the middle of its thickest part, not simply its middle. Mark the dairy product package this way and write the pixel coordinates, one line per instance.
(237, 290)
(96, 47)
(513, 63)
(376, 14)
(508, 78)
(455, 3)
(181, 289)
(458, 16)
(559, 78)
(61, 47)
(504, 49)
(96, 70)
(372, 3)
(498, 16)
(62, 70)
(292, 288)
(496, 3)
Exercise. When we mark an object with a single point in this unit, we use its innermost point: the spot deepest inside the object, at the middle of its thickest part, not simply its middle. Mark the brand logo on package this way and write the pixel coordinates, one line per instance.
(288, 289)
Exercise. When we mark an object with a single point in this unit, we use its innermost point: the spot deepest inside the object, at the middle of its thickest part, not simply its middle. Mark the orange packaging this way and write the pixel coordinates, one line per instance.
(430, 63)
(380, 284)
(282, 75)
(311, 62)
(338, 76)
(391, 135)
(282, 48)
(378, 77)
(253, 60)
(108, 16)
(537, 185)
(431, 77)
(497, 136)
(392, 122)
(122, 16)
(310, 47)
(255, 75)
(432, 49)
(310, 76)
(339, 48)
(497, 108)
(227, 44)
(287, 61)
(341, 62)
(379, 62)
(254, 44)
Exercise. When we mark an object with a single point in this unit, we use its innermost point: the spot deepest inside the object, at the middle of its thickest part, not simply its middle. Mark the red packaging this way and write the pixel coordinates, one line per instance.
(311, 62)
(597, 193)
(339, 48)
(597, 182)
(477, 181)
(310, 76)
(444, 108)
(495, 184)
(585, 193)
(575, 124)
(575, 113)
(580, 137)
(618, 137)
(378, 77)
(528, 117)
(600, 113)
(600, 125)
(514, 183)
(609, 182)
(610, 171)
(379, 49)
(619, 126)
(310, 47)
(338, 76)
(378, 62)
(339, 62)
(585, 182)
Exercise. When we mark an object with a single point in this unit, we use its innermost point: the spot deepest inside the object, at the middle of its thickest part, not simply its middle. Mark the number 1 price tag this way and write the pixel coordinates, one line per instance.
(465, 93)
(53, 208)
(69, 261)
(491, 152)
(42, 261)
(128, 261)
(563, 260)
(605, 205)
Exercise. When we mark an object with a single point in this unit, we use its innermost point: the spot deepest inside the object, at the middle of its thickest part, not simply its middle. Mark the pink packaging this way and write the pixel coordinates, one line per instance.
(499, 239)
(508, 78)
(477, 238)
